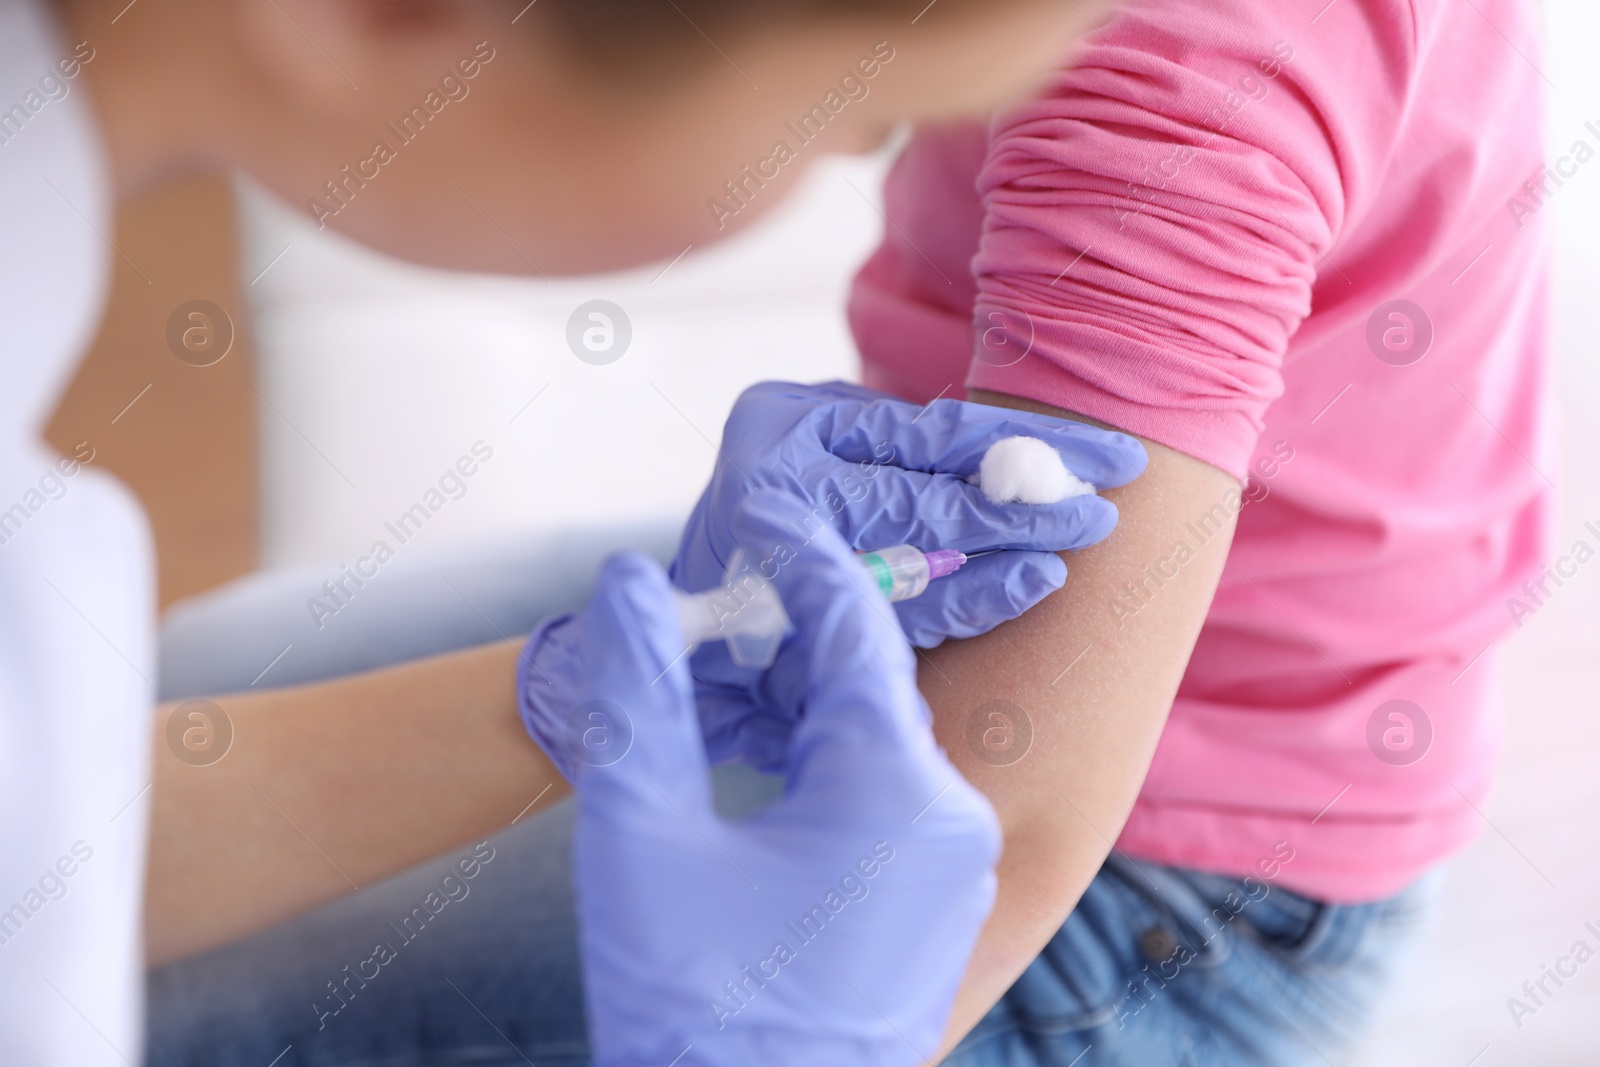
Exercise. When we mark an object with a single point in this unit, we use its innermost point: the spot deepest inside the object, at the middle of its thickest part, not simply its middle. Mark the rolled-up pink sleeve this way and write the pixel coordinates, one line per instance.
(1155, 219)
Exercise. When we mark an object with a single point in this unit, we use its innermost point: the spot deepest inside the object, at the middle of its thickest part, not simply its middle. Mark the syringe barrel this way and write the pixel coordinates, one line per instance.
(902, 572)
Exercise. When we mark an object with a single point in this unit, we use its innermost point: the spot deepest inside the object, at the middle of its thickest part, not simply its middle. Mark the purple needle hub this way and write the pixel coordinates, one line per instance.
(943, 561)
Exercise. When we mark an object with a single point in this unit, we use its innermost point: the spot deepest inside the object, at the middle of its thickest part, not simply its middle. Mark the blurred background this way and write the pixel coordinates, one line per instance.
(352, 383)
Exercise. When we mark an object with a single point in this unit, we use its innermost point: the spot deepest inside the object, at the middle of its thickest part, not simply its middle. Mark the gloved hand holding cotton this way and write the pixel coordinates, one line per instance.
(1014, 470)
(1026, 470)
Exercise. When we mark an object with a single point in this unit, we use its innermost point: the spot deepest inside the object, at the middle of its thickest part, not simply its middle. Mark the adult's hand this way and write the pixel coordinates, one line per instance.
(833, 926)
(884, 472)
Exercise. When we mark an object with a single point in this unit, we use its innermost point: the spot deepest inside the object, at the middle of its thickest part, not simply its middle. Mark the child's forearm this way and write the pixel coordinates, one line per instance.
(333, 786)
(1096, 685)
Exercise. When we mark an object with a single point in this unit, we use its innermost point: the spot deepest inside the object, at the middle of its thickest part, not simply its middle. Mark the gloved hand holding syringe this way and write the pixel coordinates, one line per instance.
(672, 896)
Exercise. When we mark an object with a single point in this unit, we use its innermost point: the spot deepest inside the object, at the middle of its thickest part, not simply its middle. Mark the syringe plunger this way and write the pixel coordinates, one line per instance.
(745, 611)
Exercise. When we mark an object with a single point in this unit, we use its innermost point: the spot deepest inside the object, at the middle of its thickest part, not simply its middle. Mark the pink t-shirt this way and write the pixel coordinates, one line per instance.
(1198, 233)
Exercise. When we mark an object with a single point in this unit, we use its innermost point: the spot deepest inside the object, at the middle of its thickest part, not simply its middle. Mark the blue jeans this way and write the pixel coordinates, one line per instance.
(1156, 965)
(1162, 965)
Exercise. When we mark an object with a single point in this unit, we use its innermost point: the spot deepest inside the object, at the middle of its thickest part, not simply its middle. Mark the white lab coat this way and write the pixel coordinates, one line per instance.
(76, 596)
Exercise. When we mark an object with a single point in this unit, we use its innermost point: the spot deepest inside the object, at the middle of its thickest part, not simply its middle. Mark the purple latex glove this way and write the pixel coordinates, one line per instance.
(832, 927)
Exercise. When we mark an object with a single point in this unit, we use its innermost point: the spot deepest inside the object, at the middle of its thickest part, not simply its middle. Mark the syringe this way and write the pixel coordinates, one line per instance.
(746, 612)
(903, 572)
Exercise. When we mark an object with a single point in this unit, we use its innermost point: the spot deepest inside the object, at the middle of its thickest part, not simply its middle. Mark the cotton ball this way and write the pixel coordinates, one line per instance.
(1026, 470)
